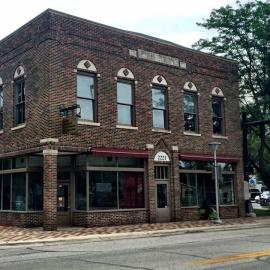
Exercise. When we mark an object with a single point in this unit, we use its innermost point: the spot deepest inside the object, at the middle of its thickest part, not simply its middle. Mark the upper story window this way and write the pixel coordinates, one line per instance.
(1, 103)
(86, 90)
(19, 96)
(159, 103)
(218, 111)
(125, 97)
(190, 107)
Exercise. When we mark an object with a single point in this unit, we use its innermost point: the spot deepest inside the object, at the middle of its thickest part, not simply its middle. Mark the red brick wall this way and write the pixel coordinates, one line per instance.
(27, 219)
(91, 219)
(189, 214)
(229, 212)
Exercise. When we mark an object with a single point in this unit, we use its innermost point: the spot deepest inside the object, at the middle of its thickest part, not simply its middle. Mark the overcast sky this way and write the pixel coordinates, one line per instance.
(173, 20)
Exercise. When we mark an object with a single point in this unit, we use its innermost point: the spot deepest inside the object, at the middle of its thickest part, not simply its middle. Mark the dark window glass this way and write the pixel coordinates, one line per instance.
(190, 112)
(102, 190)
(35, 191)
(1, 191)
(35, 161)
(86, 96)
(1, 106)
(159, 104)
(217, 106)
(80, 191)
(81, 160)
(125, 112)
(206, 189)
(64, 161)
(162, 196)
(161, 173)
(131, 190)
(18, 191)
(19, 102)
(96, 161)
(130, 162)
(188, 189)
(7, 164)
(226, 190)
(6, 191)
(19, 162)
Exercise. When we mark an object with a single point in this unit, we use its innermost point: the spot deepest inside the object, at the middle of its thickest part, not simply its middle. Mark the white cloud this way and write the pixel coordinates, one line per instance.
(153, 17)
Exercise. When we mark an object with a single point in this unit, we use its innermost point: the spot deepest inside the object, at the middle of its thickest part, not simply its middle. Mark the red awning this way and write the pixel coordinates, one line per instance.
(208, 157)
(119, 152)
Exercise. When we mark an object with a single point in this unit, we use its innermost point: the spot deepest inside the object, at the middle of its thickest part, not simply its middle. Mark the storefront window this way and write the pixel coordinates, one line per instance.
(19, 162)
(198, 185)
(35, 191)
(131, 190)
(35, 161)
(7, 164)
(102, 161)
(80, 191)
(64, 161)
(81, 160)
(18, 192)
(130, 162)
(188, 189)
(103, 190)
(0, 190)
(6, 191)
(226, 190)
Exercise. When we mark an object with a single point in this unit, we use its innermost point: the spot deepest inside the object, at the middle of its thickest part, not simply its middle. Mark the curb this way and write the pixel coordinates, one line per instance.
(156, 233)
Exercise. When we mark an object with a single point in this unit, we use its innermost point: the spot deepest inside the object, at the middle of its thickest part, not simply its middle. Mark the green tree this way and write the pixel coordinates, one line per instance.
(243, 34)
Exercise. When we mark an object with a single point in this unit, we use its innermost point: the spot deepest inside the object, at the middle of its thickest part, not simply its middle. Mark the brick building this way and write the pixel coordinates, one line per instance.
(135, 149)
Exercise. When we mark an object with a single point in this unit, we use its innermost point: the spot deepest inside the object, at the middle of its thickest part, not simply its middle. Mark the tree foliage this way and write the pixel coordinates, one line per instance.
(243, 34)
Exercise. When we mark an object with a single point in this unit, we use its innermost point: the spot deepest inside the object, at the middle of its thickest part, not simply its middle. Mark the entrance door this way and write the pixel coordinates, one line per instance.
(162, 195)
(63, 204)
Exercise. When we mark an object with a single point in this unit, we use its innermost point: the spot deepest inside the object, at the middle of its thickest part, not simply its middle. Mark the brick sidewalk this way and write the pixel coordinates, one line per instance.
(15, 234)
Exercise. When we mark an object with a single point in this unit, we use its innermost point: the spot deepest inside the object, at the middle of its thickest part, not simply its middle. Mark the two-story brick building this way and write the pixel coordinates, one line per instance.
(139, 150)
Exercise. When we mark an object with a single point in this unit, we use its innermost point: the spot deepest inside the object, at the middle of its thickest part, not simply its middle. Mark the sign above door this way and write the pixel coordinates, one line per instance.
(161, 157)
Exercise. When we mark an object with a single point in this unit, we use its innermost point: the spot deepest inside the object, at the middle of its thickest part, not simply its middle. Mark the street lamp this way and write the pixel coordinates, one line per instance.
(213, 147)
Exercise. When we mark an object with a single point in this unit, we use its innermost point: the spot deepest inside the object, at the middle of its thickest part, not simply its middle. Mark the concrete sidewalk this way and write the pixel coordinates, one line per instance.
(15, 235)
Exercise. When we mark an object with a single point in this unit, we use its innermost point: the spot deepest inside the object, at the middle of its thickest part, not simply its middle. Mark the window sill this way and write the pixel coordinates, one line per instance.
(88, 123)
(21, 212)
(19, 127)
(192, 134)
(193, 207)
(219, 137)
(127, 127)
(110, 210)
(161, 130)
(1, 131)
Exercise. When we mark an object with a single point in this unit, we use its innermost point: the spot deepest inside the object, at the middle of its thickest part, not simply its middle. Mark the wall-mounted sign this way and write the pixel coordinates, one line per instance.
(70, 124)
(161, 156)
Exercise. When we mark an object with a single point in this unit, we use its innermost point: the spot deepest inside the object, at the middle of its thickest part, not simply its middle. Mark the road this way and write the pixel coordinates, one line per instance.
(235, 249)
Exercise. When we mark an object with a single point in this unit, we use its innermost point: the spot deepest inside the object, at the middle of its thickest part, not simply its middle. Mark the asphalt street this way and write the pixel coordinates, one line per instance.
(235, 249)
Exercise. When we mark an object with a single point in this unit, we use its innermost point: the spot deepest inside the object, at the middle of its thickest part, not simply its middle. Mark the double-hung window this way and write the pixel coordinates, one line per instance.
(125, 103)
(160, 111)
(86, 96)
(19, 102)
(190, 112)
(218, 115)
(1, 106)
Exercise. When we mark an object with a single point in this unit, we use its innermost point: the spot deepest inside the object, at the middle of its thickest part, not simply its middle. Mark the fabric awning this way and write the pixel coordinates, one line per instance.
(208, 157)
